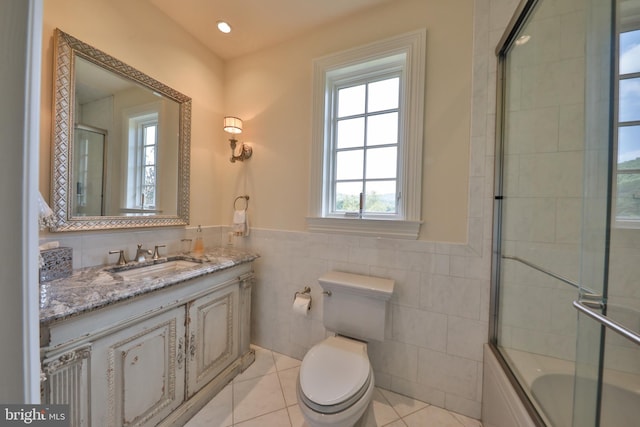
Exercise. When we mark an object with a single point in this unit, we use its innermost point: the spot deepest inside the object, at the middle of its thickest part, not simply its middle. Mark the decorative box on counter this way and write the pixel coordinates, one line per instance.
(56, 263)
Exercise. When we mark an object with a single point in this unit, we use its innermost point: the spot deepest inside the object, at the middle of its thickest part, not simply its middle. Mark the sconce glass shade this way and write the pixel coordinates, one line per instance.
(232, 124)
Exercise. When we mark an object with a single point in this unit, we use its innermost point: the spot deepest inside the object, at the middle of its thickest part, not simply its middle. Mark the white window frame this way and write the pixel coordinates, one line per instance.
(631, 25)
(142, 144)
(133, 121)
(406, 52)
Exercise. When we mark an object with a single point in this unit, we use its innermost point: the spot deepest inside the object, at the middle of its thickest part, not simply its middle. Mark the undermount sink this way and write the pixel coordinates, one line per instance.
(154, 269)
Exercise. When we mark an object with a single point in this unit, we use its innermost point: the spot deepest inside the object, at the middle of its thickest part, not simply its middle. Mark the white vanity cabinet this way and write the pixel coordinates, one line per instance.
(137, 373)
(155, 359)
(213, 336)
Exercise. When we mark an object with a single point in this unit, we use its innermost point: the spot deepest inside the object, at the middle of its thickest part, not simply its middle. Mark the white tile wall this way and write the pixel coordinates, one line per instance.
(544, 181)
(92, 248)
(436, 328)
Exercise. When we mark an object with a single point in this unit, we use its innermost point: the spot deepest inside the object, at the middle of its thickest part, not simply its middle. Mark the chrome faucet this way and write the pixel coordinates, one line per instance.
(141, 254)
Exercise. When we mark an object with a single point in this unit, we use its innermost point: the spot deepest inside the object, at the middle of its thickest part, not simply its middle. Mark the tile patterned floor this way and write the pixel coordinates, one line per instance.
(265, 396)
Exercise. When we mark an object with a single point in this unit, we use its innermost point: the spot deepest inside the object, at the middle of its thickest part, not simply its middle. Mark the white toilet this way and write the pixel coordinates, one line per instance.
(335, 384)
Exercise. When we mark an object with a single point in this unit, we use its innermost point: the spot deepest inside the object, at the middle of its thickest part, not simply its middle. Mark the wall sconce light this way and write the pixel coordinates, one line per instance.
(233, 125)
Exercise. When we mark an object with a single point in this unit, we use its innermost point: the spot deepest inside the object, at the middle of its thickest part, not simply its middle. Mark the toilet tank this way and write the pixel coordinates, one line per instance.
(355, 305)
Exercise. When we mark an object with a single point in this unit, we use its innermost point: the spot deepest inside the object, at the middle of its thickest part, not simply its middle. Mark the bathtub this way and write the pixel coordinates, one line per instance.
(550, 381)
(620, 406)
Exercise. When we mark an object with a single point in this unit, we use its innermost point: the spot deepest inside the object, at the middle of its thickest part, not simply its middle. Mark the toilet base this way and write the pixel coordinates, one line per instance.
(354, 416)
(362, 421)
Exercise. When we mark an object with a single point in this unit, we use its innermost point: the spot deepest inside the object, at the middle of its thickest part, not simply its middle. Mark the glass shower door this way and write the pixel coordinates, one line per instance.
(567, 132)
(568, 211)
(607, 377)
(539, 201)
(89, 147)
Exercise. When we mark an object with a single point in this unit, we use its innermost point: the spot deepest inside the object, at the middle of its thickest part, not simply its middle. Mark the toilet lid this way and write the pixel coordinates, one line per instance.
(334, 370)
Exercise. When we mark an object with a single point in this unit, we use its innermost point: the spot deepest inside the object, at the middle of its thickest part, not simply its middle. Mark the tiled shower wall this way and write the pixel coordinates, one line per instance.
(545, 186)
(543, 180)
(439, 313)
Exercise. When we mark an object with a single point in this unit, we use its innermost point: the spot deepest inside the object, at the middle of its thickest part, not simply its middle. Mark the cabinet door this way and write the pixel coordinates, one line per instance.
(138, 373)
(67, 382)
(213, 336)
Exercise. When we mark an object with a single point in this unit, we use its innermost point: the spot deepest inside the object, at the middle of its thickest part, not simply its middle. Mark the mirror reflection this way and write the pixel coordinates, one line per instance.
(89, 147)
(121, 144)
(134, 132)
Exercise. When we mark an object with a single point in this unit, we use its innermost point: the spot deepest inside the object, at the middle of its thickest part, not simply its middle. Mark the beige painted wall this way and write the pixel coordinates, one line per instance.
(271, 91)
(157, 47)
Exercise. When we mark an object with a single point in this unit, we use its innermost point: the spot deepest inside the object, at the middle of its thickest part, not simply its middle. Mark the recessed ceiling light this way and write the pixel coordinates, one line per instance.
(224, 27)
(523, 39)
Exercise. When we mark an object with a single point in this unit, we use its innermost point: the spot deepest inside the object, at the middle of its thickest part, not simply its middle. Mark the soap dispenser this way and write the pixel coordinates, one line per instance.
(198, 247)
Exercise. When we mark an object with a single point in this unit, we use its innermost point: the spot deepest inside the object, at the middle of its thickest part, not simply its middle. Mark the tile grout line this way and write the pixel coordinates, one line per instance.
(262, 415)
(233, 403)
(389, 404)
(289, 415)
(284, 399)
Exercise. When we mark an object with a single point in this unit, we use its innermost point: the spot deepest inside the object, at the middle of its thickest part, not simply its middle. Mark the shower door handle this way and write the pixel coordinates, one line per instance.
(611, 324)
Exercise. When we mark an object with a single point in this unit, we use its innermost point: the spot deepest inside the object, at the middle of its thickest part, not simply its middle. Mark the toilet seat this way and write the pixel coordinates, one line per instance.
(334, 374)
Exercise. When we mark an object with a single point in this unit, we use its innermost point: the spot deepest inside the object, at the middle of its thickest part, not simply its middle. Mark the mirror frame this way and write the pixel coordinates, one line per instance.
(66, 48)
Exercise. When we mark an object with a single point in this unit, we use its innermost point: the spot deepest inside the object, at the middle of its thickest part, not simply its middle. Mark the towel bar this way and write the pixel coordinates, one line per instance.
(246, 201)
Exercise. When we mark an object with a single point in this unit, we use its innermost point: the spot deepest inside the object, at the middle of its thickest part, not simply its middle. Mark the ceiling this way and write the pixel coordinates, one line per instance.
(256, 24)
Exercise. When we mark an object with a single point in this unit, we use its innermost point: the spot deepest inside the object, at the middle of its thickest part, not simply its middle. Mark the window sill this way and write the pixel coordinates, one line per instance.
(391, 229)
(626, 224)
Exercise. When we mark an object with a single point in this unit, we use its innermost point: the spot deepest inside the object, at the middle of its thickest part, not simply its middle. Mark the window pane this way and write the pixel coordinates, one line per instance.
(149, 196)
(383, 95)
(149, 135)
(348, 196)
(629, 100)
(150, 155)
(381, 163)
(351, 101)
(351, 133)
(349, 164)
(628, 201)
(630, 52)
(381, 197)
(382, 129)
(150, 175)
(629, 147)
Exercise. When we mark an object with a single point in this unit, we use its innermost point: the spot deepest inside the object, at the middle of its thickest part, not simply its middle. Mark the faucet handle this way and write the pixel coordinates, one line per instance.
(156, 253)
(122, 259)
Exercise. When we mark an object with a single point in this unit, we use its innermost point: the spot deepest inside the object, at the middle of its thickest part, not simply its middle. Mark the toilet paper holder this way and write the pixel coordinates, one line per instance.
(305, 291)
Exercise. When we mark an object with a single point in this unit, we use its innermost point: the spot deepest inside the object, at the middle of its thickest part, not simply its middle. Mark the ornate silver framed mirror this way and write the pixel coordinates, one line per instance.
(121, 144)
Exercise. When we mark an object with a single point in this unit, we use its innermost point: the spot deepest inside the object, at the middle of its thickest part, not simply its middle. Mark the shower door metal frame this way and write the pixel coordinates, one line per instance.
(521, 15)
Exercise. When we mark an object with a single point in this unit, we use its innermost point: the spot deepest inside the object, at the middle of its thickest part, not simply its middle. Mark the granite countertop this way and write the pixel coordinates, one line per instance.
(91, 288)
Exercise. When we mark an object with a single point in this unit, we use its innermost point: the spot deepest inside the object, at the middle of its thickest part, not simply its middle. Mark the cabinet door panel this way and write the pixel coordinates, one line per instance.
(138, 372)
(144, 363)
(213, 336)
(68, 383)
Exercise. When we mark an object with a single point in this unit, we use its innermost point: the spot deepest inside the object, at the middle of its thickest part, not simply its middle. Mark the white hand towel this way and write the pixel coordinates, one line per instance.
(46, 217)
(240, 223)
